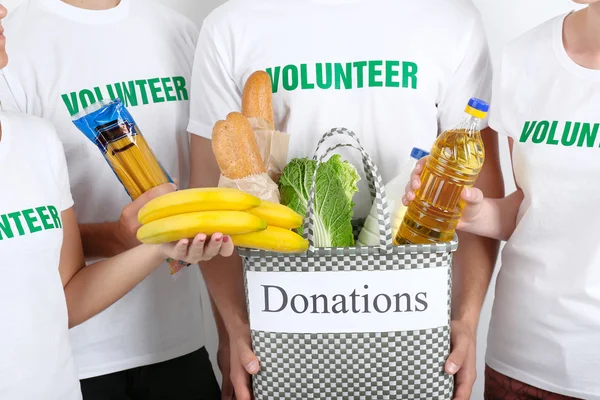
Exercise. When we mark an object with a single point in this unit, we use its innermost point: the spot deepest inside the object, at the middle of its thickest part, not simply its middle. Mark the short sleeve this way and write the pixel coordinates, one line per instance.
(498, 105)
(472, 78)
(61, 172)
(214, 93)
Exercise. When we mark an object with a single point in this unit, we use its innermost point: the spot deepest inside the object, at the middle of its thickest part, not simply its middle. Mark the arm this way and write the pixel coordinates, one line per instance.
(495, 218)
(214, 94)
(224, 277)
(91, 290)
(476, 257)
(225, 281)
(472, 271)
(102, 240)
(475, 260)
(87, 290)
(223, 352)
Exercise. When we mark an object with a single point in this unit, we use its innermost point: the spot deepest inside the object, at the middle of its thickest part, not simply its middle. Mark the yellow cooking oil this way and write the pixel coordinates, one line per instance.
(454, 164)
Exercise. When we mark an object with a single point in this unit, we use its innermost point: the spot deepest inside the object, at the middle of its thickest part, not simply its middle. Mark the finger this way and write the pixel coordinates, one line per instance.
(409, 192)
(214, 246)
(463, 391)
(461, 344)
(248, 358)
(195, 252)
(416, 173)
(227, 388)
(227, 248)
(154, 193)
(130, 212)
(419, 167)
(241, 381)
(472, 196)
(408, 189)
(180, 250)
(465, 379)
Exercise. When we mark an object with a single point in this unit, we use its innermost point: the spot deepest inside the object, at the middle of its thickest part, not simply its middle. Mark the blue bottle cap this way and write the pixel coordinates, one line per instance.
(479, 105)
(417, 153)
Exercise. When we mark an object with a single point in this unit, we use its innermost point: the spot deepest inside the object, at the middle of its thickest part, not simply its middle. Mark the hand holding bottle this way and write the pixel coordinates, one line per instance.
(456, 159)
(472, 197)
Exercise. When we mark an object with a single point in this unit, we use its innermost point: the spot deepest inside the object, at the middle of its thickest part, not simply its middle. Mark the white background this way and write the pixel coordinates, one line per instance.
(504, 20)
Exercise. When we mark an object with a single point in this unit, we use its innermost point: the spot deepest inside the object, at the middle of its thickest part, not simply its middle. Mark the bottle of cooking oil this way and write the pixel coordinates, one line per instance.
(454, 164)
(394, 189)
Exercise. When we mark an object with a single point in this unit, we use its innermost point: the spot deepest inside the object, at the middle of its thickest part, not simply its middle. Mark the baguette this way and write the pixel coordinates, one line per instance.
(257, 98)
(235, 148)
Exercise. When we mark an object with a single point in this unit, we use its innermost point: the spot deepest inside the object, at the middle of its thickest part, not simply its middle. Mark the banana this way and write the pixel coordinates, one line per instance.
(272, 239)
(186, 226)
(195, 200)
(277, 215)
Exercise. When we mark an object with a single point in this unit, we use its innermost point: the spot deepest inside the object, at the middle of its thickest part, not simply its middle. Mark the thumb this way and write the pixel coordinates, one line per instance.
(248, 359)
(460, 350)
(154, 193)
(472, 196)
(131, 210)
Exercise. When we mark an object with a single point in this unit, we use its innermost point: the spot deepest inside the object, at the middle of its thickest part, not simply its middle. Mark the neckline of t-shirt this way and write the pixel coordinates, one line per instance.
(84, 16)
(6, 136)
(564, 58)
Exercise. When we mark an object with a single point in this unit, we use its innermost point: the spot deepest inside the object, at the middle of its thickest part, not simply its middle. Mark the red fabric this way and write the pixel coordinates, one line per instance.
(501, 387)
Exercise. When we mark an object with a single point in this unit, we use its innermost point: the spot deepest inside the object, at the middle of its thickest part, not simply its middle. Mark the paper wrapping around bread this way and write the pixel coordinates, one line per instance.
(239, 155)
(273, 146)
(260, 185)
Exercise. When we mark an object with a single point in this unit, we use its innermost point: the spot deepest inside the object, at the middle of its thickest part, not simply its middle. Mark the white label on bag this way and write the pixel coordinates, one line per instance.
(348, 301)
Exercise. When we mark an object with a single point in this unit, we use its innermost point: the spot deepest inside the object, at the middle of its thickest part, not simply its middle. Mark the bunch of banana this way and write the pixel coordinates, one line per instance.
(250, 222)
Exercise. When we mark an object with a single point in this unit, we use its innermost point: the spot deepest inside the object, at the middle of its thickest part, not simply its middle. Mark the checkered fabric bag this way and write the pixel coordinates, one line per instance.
(370, 365)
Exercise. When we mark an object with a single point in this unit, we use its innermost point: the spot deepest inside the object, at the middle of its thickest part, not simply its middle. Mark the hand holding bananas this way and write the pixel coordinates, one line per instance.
(251, 222)
(201, 248)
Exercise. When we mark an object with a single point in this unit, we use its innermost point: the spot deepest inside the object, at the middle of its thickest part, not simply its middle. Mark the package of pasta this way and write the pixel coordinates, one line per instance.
(113, 130)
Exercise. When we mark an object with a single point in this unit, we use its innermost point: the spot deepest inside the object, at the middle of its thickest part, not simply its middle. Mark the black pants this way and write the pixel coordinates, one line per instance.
(190, 377)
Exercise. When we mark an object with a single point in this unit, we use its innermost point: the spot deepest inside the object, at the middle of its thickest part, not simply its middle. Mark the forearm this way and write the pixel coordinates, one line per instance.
(497, 218)
(220, 324)
(476, 257)
(97, 287)
(223, 276)
(101, 240)
(225, 281)
(473, 266)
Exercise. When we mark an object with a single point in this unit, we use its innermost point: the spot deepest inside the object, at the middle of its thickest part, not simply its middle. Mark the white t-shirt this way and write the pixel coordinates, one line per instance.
(35, 354)
(545, 327)
(395, 72)
(64, 58)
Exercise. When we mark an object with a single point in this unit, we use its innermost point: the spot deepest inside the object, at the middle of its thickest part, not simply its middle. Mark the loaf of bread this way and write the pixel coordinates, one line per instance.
(257, 98)
(235, 147)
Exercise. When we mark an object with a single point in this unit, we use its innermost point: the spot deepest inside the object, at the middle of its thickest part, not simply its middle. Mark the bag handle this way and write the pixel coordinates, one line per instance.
(376, 188)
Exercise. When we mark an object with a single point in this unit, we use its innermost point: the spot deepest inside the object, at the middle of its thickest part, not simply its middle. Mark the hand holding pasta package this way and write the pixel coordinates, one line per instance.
(113, 130)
